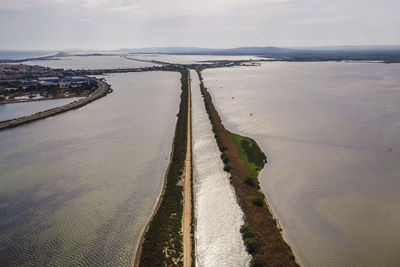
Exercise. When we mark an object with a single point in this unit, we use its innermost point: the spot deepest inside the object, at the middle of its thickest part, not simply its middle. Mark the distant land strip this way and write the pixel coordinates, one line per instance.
(260, 232)
(103, 89)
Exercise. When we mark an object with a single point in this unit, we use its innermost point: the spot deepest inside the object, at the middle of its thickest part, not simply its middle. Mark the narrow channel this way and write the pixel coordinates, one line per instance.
(218, 216)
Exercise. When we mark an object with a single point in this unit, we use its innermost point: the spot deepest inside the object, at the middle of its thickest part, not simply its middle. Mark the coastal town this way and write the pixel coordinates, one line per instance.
(21, 83)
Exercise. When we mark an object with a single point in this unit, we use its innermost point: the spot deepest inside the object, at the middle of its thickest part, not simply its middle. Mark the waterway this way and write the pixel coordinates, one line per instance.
(218, 216)
(331, 133)
(77, 189)
(16, 110)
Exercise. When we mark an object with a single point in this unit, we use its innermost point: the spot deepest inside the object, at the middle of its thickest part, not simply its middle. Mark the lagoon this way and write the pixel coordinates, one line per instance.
(330, 131)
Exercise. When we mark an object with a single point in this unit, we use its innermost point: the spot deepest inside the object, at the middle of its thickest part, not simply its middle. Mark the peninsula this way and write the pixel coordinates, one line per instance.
(243, 159)
(102, 90)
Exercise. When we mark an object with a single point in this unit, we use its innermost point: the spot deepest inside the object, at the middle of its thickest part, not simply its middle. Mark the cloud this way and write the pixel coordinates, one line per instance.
(123, 8)
(26, 4)
(177, 7)
(133, 23)
(84, 20)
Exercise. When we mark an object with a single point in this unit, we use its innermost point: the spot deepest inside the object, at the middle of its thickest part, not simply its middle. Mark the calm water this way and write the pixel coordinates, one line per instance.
(78, 188)
(16, 110)
(188, 59)
(331, 133)
(218, 215)
(7, 54)
(90, 62)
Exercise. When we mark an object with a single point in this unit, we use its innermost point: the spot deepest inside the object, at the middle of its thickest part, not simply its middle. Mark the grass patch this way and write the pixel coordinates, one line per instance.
(250, 154)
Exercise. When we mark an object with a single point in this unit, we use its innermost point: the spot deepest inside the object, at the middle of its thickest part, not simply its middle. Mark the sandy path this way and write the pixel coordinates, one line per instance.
(187, 199)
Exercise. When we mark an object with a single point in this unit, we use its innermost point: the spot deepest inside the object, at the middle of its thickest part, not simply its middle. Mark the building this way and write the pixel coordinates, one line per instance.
(49, 79)
(77, 80)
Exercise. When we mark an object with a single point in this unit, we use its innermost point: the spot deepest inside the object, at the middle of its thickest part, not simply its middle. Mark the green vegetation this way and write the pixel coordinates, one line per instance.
(252, 157)
(249, 238)
(256, 261)
(252, 182)
(250, 153)
(162, 244)
(258, 202)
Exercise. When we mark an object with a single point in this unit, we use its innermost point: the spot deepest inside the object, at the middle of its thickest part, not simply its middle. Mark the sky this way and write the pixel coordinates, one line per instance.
(114, 24)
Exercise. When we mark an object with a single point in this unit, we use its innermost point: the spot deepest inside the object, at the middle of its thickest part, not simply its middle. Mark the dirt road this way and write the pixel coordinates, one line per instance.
(187, 199)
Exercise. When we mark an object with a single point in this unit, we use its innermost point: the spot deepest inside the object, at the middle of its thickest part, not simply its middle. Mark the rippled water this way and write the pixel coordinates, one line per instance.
(77, 189)
(16, 110)
(90, 62)
(331, 133)
(218, 215)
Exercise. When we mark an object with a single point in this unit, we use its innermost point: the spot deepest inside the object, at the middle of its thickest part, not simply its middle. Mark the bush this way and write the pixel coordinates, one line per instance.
(257, 261)
(227, 168)
(224, 158)
(291, 255)
(258, 202)
(246, 231)
(251, 245)
(223, 148)
(250, 181)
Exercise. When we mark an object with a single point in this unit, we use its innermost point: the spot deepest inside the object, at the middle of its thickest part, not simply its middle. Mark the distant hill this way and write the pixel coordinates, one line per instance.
(388, 53)
(306, 53)
(210, 51)
(353, 48)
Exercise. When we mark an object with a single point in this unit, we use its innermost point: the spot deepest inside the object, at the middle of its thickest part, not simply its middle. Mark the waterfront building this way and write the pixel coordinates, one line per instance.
(49, 79)
(77, 80)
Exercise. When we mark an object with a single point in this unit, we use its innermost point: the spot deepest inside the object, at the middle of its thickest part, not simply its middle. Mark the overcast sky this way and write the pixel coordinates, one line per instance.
(113, 24)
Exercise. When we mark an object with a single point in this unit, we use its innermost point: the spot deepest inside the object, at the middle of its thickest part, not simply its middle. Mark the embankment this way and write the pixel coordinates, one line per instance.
(103, 89)
(161, 243)
(261, 234)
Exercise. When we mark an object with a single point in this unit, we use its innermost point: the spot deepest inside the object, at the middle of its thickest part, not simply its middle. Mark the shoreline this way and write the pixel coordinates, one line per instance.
(136, 256)
(16, 101)
(103, 90)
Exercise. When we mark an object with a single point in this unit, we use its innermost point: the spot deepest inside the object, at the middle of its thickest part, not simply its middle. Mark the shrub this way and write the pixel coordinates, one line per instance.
(223, 148)
(251, 245)
(258, 202)
(224, 157)
(291, 255)
(250, 181)
(227, 168)
(246, 231)
(257, 261)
